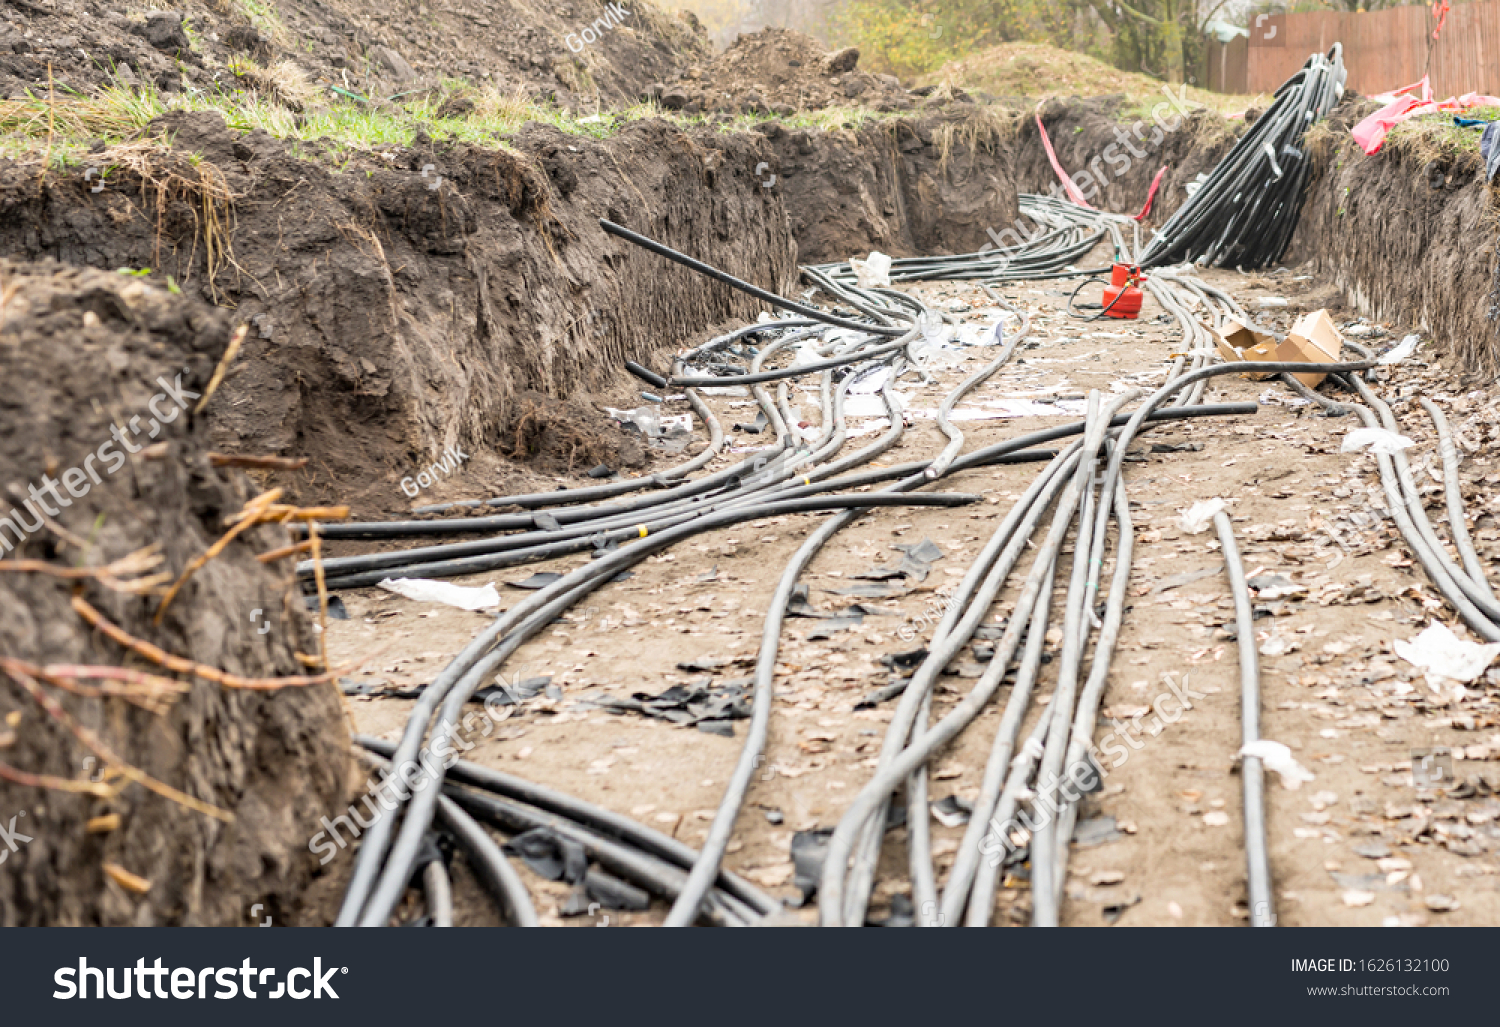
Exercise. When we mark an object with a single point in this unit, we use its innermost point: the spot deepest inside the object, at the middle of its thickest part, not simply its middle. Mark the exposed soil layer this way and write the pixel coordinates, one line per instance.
(907, 186)
(1405, 234)
(1122, 152)
(780, 71)
(375, 50)
(398, 306)
(87, 354)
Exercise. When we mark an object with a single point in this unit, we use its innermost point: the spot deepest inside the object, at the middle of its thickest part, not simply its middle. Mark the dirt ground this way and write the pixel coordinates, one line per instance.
(1358, 845)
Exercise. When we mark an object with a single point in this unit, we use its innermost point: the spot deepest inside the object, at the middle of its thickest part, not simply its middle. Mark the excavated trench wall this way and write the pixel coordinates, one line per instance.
(1407, 235)
(399, 304)
(904, 186)
(82, 402)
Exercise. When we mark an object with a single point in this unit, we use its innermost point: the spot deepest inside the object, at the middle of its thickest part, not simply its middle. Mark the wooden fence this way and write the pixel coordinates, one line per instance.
(1383, 50)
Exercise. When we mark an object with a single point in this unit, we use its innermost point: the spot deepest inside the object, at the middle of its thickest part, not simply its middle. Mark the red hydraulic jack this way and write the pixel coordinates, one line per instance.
(1122, 296)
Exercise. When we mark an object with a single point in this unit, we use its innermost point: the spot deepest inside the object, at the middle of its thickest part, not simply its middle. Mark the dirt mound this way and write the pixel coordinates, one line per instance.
(306, 52)
(560, 437)
(102, 372)
(781, 71)
(1034, 71)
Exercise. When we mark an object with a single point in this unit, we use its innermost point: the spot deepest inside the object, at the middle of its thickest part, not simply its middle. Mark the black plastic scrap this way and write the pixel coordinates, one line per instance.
(952, 811)
(1095, 831)
(600, 890)
(902, 914)
(709, 708)
(757, 427)
(508, 695)
(514, 695)
(539, 580)
(916, 563)
(336, 608)
(809, 851)
(550, 855)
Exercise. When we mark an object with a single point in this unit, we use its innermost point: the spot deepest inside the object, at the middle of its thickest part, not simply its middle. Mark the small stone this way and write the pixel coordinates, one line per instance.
(1354, 899)
(1442, 903)
(1215, 818)
(1107, 877)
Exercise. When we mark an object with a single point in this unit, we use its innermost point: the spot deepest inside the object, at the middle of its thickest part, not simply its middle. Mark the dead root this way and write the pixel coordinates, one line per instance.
(182, 665)
(15, 670)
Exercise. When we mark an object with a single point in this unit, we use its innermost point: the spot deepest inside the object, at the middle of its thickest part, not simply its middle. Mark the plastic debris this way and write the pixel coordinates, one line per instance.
(874, 272)
(1446, 659)
(1277, 757)
(1269, 302)
(1376, 440)
(1196, 519)
(464, 597)
(1399, 352)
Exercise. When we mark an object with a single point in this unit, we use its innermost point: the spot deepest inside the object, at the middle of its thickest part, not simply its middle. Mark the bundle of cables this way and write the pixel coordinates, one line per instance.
(1244, 215)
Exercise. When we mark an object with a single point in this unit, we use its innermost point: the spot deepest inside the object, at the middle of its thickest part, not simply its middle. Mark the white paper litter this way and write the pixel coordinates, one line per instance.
(1376, 440)
(1446, 660)
(873, 272)
(424, 590)
(1196, 519)
(1403, 349)
(1277, 757)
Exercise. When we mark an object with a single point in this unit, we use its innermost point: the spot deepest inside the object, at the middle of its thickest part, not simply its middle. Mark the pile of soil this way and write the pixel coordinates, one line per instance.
(89, 358)
(374, 50)
(568, 437)
(780, 71)
(1027, 72)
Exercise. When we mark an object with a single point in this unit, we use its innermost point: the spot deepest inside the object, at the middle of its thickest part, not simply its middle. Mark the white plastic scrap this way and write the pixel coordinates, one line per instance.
(1405, 348)
(1446, 659)
(1196, 519)
(1376, 440)
(874, 272)
(424, 590)
(1277, 757)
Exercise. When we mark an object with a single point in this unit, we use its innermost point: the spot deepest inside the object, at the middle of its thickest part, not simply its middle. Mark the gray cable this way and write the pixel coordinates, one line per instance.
(1257, 860)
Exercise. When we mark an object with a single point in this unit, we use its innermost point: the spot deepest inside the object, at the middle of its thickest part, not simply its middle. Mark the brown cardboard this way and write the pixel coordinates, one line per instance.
(1313, 339)
(1237, 341)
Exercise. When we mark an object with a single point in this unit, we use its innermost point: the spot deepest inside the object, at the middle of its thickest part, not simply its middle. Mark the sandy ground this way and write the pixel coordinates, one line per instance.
(1358, 845)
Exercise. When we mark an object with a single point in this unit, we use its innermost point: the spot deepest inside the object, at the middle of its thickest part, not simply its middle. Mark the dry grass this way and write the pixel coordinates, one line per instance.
(1036, 71)
(977, 128)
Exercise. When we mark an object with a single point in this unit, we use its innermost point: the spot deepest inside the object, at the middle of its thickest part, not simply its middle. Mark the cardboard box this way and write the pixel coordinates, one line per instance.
(1237, 341)
(1313, 339)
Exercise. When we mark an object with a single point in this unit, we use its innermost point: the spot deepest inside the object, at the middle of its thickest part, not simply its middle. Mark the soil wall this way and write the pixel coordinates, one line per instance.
(1406, 234)
(906, 186)
(82, 401)
(399, 302)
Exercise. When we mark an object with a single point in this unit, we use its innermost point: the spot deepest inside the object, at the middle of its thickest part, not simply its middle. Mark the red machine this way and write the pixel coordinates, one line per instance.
(1122, 296)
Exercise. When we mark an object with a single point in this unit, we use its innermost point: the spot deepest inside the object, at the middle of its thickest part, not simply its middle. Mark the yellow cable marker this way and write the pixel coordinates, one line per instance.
(642, 529)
